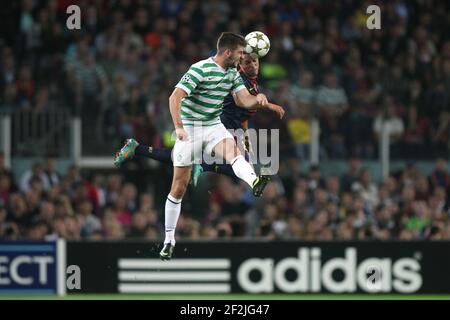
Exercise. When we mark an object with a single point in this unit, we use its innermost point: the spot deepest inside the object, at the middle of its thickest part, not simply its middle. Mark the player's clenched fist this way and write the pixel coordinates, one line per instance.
(181, 134)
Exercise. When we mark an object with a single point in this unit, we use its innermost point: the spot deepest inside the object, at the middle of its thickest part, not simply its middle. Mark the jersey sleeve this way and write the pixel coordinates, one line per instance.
(238, 83)
(191, 79)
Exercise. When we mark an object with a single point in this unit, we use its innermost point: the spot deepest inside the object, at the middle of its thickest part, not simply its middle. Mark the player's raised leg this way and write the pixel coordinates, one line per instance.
(228, 150)
(126, 152)
(133, 148)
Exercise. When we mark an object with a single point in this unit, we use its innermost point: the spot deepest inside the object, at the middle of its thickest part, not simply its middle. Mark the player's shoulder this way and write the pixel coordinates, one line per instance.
(205, 64)
(233, 71)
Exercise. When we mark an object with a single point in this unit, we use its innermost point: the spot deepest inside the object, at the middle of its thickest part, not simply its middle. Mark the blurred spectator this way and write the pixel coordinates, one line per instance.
(36, 172)
(51, 176)
(332, 102)
(394, 125)
(89, 222)
(352, 175)
(366, 188)
(138, 226)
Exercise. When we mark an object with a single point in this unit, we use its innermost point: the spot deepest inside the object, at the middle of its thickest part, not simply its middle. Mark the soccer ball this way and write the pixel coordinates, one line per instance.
(258, 44)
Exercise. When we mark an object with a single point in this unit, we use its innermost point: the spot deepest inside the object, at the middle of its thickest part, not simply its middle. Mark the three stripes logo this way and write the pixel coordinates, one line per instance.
(177, 276)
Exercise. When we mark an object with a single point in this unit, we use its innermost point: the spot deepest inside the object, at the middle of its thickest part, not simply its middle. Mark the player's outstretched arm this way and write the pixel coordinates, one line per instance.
(244, 99)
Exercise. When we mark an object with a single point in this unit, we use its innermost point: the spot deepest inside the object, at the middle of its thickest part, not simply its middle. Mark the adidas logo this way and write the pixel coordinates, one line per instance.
(312, 274)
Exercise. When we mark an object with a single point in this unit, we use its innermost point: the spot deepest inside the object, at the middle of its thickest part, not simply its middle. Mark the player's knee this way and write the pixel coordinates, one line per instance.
(232, 153)
(228, 149)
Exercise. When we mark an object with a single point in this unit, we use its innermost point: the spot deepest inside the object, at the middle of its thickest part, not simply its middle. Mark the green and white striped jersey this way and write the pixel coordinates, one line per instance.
(207, 84)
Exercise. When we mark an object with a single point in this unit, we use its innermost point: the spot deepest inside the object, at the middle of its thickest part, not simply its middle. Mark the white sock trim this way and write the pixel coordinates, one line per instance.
(235, 159)
(173, 199)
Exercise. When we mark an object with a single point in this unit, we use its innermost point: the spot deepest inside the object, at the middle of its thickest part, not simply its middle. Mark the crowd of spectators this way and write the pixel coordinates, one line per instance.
(117, 73)
(409, 205)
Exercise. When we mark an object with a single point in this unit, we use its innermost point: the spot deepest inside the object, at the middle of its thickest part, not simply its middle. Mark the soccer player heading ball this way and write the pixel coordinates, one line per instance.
(198, 99)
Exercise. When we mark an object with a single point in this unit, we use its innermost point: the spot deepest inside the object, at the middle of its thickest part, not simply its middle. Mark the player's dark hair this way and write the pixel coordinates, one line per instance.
(230, 40)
